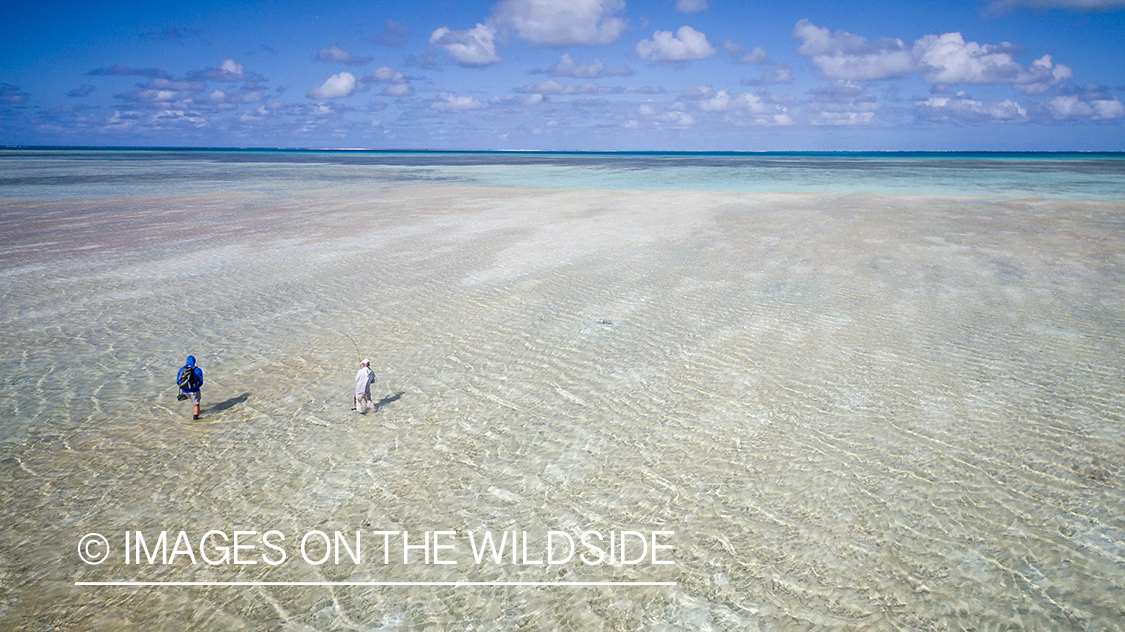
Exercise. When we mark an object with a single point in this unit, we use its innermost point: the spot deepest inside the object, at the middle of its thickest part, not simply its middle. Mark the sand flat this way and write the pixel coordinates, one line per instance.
(855, 411)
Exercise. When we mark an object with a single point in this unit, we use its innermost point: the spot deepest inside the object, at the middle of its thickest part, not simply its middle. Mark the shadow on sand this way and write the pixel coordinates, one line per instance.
(230, 403)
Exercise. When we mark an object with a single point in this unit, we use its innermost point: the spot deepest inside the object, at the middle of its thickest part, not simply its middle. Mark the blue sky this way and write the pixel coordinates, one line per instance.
(567, 74)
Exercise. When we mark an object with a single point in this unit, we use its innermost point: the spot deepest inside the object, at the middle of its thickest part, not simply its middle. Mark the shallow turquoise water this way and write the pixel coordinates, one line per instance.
(1051, 176)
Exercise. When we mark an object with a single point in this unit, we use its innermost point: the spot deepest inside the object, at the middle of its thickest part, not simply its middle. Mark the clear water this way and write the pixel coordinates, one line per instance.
(865, 392)
(1086, 176)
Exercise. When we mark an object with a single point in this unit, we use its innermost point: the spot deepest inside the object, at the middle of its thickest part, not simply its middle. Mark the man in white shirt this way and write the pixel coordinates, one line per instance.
(363, 381)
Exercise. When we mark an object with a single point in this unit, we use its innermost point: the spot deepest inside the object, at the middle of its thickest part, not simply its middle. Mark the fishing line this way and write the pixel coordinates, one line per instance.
(357, 353)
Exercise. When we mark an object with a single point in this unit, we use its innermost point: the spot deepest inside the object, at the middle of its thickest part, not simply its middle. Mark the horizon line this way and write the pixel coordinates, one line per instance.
(401, 150)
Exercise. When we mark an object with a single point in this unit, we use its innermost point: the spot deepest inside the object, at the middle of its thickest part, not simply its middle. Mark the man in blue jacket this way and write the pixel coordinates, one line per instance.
(189, 379)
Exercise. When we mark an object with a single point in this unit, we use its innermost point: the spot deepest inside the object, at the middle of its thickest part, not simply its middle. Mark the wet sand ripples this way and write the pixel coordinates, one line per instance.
(855, 412)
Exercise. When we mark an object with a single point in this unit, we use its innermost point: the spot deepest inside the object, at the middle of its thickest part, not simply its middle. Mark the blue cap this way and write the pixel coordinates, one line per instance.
(191, 361)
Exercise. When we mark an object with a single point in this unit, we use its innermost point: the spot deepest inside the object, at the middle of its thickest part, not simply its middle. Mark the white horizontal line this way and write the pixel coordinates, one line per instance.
(374, 583)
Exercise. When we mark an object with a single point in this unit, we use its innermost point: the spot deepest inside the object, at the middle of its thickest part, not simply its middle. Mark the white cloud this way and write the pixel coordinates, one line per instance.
(754, 57)
(724, 102)
(151, 96)
(691, 6)
(228, 70)
(562, 22)
(674, 115)
(841, 118)
(451, 103)
(949, 59)
(161, 92)
(1071, 107)
(225, 100)
(848, 56)
(678, 119)
(686, 44)
(746, 109)
(398, 83)
(337, 86)
(471, 48)
(387, 75)
(938, 59)
(262, 113)
(170, 119)
(398, 90)
(567, 67)
(341, 54)
(967, 109)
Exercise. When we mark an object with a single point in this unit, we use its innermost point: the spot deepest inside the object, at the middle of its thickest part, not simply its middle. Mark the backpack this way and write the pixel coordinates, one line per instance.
(188, 380)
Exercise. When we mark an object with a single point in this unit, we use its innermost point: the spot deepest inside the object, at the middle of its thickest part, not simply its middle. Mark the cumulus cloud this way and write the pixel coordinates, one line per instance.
(152, 97)
(320, 111)
(843, 55)
(398, 90)
(337, 86)
(228, 70)
(949, 59)
(722, 101)
(398, 86)
(937, 59)
(567, 67)
(263, 112)
(1071, 107)
(741, 109)
(754, 57)
(384, 74)
(83, 90)
(341, 54)
(561, 22)
(971, 110)
(173, 119)
(685, 45)
(472, 48)
(446, 102)
(222, 100)
(160, 92)
(691, 6)
(674, 116)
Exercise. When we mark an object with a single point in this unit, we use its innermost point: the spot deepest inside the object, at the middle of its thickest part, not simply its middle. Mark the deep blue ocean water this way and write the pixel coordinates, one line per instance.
(55, 172)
